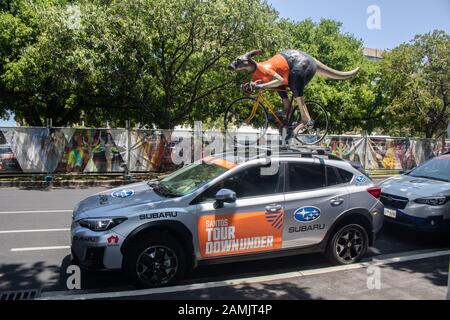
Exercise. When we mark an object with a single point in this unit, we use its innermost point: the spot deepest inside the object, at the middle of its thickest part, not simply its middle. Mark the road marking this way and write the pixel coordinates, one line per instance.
(35, 211)
(39, 248)
(33, 230)
(389, 259)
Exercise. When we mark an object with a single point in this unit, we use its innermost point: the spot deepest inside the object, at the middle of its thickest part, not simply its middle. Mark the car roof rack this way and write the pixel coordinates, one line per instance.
(306, 149)
(309, 152)
(295, 151)
(299, 151)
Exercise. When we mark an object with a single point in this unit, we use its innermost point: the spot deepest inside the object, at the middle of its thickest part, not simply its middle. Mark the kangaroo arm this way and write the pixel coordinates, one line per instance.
(277, 81)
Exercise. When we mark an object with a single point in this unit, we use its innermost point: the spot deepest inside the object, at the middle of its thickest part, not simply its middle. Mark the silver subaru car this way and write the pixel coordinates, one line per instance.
(420, 198)
(219, 210)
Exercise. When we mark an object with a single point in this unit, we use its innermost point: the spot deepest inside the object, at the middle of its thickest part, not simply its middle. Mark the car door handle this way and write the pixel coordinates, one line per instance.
(336, 202)
(274, 208)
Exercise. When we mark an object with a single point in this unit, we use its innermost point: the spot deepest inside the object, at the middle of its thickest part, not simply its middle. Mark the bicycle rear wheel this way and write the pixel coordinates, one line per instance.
(246, 120)
(313, 134)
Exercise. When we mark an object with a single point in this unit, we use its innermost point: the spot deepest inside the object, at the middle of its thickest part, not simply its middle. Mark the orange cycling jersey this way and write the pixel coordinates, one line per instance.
(267, 69)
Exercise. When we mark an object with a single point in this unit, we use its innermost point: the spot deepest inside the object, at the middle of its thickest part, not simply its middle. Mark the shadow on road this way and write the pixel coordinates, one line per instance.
(434, 270)
(20, 276)
(283, 290)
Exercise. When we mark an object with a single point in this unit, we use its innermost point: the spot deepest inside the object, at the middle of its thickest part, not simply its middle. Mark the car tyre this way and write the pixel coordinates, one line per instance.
(155, 260)
(348, 244)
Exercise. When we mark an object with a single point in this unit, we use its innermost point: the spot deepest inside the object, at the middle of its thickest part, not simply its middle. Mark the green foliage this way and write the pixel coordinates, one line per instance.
(155, 62)
(416, 82)
(163, 63)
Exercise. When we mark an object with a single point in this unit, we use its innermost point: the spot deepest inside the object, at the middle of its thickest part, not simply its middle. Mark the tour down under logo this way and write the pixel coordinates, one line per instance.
(275, 218)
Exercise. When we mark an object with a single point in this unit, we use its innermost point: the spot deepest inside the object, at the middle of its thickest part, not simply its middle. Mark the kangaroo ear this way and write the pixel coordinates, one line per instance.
(253, 53)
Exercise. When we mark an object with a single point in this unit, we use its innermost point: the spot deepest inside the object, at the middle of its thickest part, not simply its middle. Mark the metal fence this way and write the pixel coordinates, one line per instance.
(104, 150)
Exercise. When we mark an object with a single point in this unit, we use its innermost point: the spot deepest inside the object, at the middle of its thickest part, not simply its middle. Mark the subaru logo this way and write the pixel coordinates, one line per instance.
(124, 193)
(360, 178)
(307, 214)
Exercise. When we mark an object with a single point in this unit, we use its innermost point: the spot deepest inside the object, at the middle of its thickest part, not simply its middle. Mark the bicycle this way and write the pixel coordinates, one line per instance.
(249, 113)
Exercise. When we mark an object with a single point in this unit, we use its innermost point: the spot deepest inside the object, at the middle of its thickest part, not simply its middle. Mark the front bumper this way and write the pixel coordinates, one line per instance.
(96, 250)
(427, 224)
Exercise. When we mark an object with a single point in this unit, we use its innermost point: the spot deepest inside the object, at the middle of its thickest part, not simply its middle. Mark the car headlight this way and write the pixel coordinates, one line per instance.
(101, 224)
(432, 201)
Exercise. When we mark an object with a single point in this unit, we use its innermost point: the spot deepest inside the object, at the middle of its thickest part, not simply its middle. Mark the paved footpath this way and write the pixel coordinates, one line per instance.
(422, 279)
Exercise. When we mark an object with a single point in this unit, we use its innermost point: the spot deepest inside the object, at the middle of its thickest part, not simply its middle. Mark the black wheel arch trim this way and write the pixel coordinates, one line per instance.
(357, 212)
(175, 228)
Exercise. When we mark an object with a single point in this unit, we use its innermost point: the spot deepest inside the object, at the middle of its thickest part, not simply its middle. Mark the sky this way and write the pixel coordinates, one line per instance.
(400, 20)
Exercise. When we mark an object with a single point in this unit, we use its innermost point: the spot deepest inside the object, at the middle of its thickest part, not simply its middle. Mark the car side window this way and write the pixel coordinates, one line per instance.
(251, 182)
(306, 176)
(332, 176)
(346, 176)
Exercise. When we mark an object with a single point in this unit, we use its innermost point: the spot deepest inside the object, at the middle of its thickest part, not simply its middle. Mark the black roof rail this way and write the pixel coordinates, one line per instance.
(295, 151)
(308, 149)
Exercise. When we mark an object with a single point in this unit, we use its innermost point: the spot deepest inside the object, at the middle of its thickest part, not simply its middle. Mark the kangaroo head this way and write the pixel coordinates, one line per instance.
(245, 62)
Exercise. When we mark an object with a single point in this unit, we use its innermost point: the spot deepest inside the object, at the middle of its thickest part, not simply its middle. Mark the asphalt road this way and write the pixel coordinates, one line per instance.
(38, 259)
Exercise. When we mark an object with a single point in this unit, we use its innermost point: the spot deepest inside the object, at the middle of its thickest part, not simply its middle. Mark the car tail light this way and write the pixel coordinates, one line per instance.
(375, 191)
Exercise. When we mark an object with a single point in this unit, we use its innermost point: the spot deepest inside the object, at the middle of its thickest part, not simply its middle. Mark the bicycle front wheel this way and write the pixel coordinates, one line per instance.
(314, 134)
(246, 120)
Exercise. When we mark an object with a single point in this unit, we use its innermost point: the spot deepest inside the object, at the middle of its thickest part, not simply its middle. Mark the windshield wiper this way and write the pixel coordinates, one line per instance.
(161, 189)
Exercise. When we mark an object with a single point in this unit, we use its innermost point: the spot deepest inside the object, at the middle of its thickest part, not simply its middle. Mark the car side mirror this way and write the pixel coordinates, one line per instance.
(224, 196)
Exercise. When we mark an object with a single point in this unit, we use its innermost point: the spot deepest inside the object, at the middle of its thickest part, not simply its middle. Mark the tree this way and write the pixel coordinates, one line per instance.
(416, 82)
(161, 63)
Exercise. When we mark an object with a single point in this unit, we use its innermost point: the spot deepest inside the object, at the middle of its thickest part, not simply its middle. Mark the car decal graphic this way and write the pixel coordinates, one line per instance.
(275, 218)
(222, 235)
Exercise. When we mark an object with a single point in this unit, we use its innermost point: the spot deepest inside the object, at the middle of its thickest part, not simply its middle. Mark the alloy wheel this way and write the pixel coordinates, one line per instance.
(157, 265)
(349, 245)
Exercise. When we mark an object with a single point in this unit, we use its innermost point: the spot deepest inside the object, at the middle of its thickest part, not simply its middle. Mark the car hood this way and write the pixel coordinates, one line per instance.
(112, 202)
(413, 187)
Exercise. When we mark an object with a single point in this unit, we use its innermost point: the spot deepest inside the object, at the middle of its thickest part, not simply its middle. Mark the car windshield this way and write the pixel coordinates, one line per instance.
(436, 169)
(192, 177)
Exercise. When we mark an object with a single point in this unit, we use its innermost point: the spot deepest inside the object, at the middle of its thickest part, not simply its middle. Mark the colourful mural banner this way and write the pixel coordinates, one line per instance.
(89, 150)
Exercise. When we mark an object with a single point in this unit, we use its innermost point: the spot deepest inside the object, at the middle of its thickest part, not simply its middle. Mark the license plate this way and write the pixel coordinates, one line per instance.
(390, 213)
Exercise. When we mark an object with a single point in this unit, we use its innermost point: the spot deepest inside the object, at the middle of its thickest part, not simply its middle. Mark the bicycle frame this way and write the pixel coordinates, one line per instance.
(313, 133)
(268, 106)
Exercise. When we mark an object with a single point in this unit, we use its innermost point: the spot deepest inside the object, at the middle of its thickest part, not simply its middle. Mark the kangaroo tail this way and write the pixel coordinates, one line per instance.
(328, 72)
